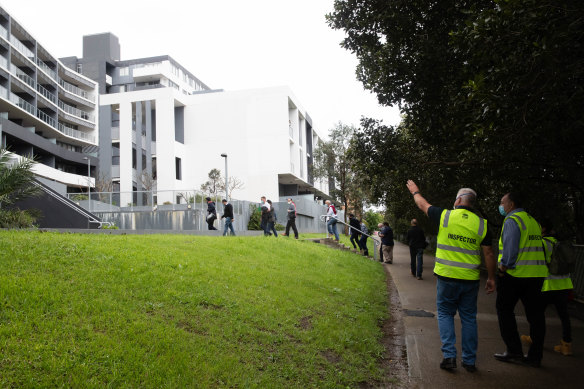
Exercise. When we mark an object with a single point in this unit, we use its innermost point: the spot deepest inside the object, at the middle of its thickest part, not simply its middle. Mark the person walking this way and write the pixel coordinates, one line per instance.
(522, 270)
(387, 242)
(265, 209)
(556, 290)
(211, 214)
(461, 235)
(291, 218)
(331, 222)
(363, 240)
(355, 228)
(417, 242)
(228, 215)
(272, 219)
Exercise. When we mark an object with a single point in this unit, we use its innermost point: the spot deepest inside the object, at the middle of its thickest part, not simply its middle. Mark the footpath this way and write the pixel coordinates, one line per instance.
(418, 303)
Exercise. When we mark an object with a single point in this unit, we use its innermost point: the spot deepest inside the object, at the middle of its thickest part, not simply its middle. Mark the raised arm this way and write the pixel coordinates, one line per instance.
(418, 198)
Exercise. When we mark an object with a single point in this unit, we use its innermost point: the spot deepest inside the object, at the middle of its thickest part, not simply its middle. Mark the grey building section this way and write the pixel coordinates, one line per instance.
(101, 46)
(105, 142)
(179, 124)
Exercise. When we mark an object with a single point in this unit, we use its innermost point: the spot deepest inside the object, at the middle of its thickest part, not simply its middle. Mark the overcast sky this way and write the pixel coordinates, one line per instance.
(227, 44)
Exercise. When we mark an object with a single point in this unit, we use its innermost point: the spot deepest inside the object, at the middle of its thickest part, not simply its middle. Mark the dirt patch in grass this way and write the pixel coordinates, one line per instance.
(395, 358)
(331, 356)
(305, 323)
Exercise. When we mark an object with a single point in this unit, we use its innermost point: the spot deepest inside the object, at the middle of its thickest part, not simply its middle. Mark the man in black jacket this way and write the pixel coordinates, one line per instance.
(211, 214)
(228, 215)
(355, 230)
(417, 242)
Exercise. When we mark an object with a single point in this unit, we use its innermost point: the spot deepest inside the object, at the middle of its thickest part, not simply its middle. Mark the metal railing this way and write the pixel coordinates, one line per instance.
(75, 111)
(578, 274)
(45, 68)
(48, 95)
(22, 48)
(3, 32)
(23, 76)
(67, 202)
(75, 90)
(375, 239)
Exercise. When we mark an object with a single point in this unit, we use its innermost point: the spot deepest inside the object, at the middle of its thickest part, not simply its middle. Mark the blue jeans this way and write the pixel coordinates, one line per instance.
(228, 224)
(450, 297)
(331, 225)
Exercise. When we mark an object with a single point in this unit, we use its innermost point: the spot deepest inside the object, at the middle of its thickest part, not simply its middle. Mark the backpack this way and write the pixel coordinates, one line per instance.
(563, 259)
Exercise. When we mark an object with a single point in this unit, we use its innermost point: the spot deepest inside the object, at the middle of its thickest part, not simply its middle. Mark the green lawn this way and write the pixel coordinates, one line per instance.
(186, 311)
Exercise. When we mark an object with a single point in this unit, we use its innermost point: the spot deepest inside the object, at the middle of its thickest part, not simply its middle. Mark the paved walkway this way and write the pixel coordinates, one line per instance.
(423, 341)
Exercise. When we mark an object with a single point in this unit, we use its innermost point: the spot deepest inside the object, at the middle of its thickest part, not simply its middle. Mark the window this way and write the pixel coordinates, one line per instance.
(79, 68)
(178, 168)
(134, 157)
(115, 154)
(125, 71)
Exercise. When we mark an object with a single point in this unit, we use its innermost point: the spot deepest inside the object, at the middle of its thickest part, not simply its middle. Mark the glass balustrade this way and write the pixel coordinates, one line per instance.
(44, 67)
(22, 48)
(47, 94)
(75, 111)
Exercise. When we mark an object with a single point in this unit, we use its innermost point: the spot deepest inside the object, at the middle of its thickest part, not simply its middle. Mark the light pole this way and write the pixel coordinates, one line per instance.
(88, 180)
(226, 178)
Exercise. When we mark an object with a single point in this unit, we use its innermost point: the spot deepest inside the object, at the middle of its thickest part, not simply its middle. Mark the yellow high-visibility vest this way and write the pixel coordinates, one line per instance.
(554, 282)
(459, 241)
(530, 259)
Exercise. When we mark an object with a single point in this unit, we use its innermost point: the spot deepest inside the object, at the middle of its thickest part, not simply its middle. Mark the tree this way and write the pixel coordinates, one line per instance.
(331, 161)
(16, 183)
(234, 183)
(213, 185)
(492, 95)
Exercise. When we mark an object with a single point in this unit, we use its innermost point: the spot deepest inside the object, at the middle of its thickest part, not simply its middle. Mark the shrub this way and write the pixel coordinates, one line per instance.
(255, 220)
(15, 218)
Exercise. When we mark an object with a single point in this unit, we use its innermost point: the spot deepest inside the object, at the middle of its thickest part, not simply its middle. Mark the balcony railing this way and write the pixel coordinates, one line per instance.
(44, 67)
(47, 94)
(23, 76)
(75, 133)
(3, 92)
(76, 90)
(21, 103)
(46, 118)
(4, 62)
(75, 111)
(22, 48)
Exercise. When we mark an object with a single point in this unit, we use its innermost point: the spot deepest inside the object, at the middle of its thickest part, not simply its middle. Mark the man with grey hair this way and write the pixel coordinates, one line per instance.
(461, 235)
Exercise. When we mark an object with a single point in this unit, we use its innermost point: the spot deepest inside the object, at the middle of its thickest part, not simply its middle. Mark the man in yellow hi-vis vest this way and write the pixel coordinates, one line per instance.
(461, 235)
(522, 270)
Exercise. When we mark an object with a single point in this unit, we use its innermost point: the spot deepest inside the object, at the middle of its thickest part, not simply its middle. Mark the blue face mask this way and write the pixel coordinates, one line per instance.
(502, 211)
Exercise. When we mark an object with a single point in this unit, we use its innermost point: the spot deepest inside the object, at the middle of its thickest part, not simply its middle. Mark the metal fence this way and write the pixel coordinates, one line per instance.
(184, 210)
(578, 275)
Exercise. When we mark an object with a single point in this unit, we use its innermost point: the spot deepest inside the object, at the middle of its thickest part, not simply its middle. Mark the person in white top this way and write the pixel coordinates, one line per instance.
(331, 223)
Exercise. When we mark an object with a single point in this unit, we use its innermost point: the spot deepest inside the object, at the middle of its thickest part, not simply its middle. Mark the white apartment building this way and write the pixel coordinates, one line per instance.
(47, 110)
(159, 120)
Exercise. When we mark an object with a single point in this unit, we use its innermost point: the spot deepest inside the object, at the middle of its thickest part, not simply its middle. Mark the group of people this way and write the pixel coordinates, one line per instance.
(227, 215)
(520, 273)
(269, 218)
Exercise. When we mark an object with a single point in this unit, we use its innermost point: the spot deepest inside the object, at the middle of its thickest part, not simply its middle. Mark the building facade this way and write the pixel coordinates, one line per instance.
(47, 111)
(163, 129)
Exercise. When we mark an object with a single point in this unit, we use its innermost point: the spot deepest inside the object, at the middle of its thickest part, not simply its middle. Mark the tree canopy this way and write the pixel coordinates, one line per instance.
(492, 95)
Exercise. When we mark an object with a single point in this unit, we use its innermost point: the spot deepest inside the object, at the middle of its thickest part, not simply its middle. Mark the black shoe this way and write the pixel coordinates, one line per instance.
(469, 368)
(531, 362)
(508, 357)
(448, 363)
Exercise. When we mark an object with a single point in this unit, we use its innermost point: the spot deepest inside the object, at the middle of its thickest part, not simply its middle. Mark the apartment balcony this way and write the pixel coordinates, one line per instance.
(76, 77)
(3, 33)
(149, 72)
(75, 90)
(76, 112)
(22, 48)
(23, 76)
(46, 94)
(45, 68)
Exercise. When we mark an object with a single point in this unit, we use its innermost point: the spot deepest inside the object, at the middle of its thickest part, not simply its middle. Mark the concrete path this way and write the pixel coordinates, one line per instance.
(423, 341)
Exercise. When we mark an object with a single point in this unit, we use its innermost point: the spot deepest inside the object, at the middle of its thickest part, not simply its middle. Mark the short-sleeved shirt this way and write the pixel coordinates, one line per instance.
(435, 213)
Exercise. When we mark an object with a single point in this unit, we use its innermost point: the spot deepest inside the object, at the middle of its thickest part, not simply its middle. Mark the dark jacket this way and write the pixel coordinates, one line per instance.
(387, 239)
(353, 222)
(211, 209)
(415, 237)
(291, 211)
(228, 211)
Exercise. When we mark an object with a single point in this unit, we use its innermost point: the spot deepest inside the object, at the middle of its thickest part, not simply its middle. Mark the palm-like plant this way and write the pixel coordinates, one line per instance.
(16, 183)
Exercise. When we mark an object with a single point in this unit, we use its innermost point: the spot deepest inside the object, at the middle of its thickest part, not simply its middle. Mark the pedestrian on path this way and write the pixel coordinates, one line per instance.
(355, 230)
(417, 242)
(228, 215)
(211, 214)
(461, 235)
(331, 222)
(291, 219)
(363, 240)
(556, 290)
(387, 242)
(522, 270)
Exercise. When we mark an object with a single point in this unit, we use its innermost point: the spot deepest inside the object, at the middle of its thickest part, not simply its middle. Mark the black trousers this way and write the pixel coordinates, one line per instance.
(559, 298)
(363, 244)
(509, 291)
(210, 222)
(355, 239)
(291, 223)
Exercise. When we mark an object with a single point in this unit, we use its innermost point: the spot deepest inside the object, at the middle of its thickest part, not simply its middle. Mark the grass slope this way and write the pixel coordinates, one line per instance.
(186, 311)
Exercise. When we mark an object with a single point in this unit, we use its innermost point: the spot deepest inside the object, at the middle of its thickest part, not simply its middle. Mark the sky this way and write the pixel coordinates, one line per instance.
(227, 44)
